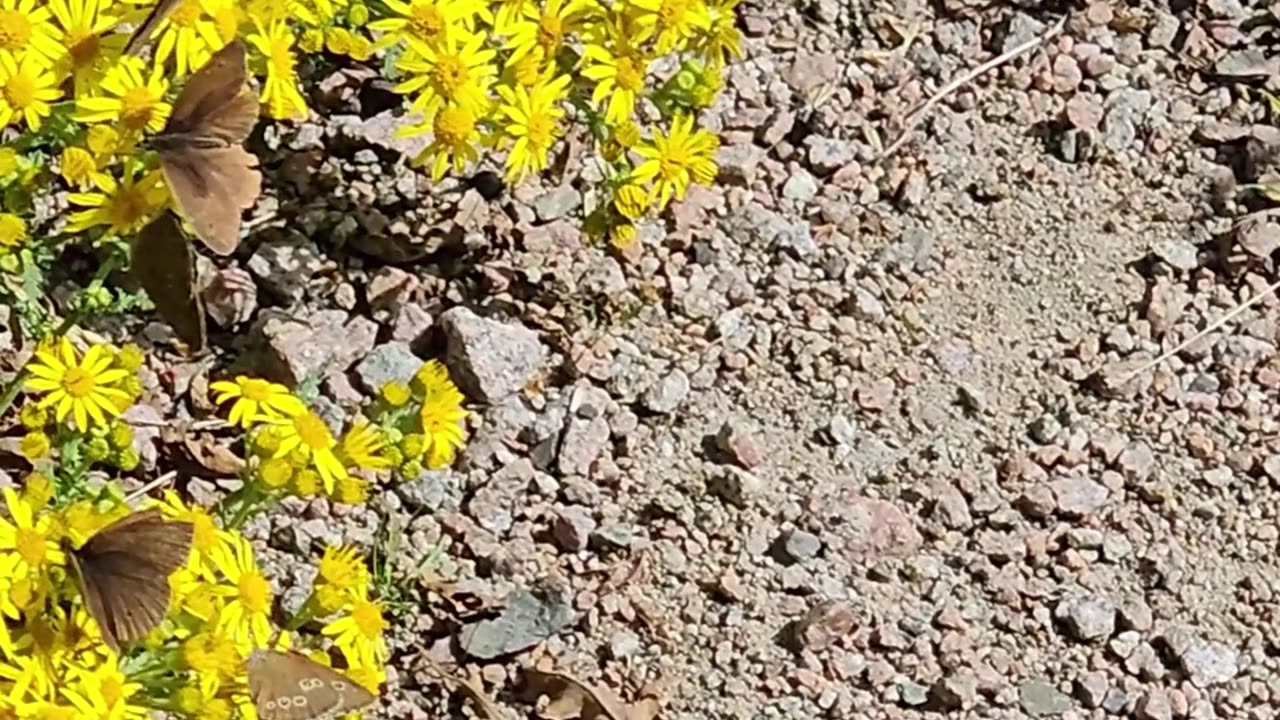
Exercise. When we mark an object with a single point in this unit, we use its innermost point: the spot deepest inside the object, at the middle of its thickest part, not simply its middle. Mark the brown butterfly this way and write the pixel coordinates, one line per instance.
(123, 573)
(164, 264)
(144, 31)
(211, 176)
(287, 685)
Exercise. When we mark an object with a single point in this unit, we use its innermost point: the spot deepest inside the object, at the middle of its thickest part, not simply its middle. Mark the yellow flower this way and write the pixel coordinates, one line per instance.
(320, 12)
(137, 103)
(212, 654)
(256, 399)
(632, 200)
(721, 40)
(619, 76)
(247, 617)
(395, 393)
(532, 118)
(307, 435)
(673, 161)
(441, 415)
(13, 231)
(359, 634)
(190, 34)
(34, 445)
(90, 45)
(351, 490)
(104, 692)
(124, 206)
(280, 92)
(362, 446)
(8, 161)
(448, 73)
(343, 568)
(78, 167)
(26, 30)
(544, 26)
(454, 139)
(623, 236)
(26, 89)
(425, 20)
(32, 539)
(675, 21)
(276, 473)
(82, 388)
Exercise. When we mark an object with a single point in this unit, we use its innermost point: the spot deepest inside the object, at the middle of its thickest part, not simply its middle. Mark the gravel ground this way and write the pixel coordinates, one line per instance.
(843, 437)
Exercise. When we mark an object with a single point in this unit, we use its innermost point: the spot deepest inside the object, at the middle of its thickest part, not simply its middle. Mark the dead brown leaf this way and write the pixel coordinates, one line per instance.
(471, 686)
(213, 455)
(571, 698)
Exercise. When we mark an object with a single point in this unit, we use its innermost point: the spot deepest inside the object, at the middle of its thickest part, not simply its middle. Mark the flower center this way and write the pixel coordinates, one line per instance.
(112, 691)
(253, 589)
(368, 619)
(20, 90)
(453, 125)
(128, 206)
(187, 14)
(83, 44)
(77, 382)
(256, 390)
(550, 33)
(672, 12)
(137, 105)
(281, 58)
(449, 75)
(629, 75)
(539, 129)
(15, 30)
(425, 21)
(30, 546)
(313, 432)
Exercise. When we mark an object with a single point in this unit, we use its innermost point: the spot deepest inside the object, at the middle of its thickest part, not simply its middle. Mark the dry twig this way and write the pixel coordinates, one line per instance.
(916, 116)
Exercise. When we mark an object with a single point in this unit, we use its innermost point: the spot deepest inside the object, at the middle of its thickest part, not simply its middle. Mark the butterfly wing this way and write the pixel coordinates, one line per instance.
(292, 686)
(216, 104)
(123, 572)
(164, 263)
(211, 188)
(143, 33)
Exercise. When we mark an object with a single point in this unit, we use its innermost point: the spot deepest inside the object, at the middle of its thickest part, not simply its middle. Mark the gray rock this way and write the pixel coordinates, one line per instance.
(824, 625)
(800, 546)
(604, 277)
(739, 164)
(573, 528)
(797, 238)
(385, 363)
(327, 342)
(735, 485)
(664, 396)
(489, 359)
(428, 492)
(1091, 688)
(1078, 496)
(800, 187)
(527, 620)
(956, 691)
(1087, 619)
(827, 155)
(586, 432)
(913, 694)
(738, 439)
(869, 528)
(1040, 699)
(557, 203)
(1154, 705)
(1207, 663)
(284, 266)
(1177, 253)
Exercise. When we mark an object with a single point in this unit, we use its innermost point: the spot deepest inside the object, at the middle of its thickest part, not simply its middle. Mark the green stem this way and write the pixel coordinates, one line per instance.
(76, 314)
(304, 615)
(248, 500)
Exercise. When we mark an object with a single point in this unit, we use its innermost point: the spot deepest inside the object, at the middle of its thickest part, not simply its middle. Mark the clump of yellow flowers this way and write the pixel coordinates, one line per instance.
(292, 450)
(500, 79)
(53, 662)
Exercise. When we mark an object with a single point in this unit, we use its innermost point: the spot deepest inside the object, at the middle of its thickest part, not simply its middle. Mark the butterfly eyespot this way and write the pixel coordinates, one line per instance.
(285, 703)
(338, 685)
(309, 684)
(299, 700)
(271, 704)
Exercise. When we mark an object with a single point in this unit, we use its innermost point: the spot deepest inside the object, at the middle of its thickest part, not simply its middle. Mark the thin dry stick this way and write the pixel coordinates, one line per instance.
(164, 479)
(1212, 326)
(914, 118)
